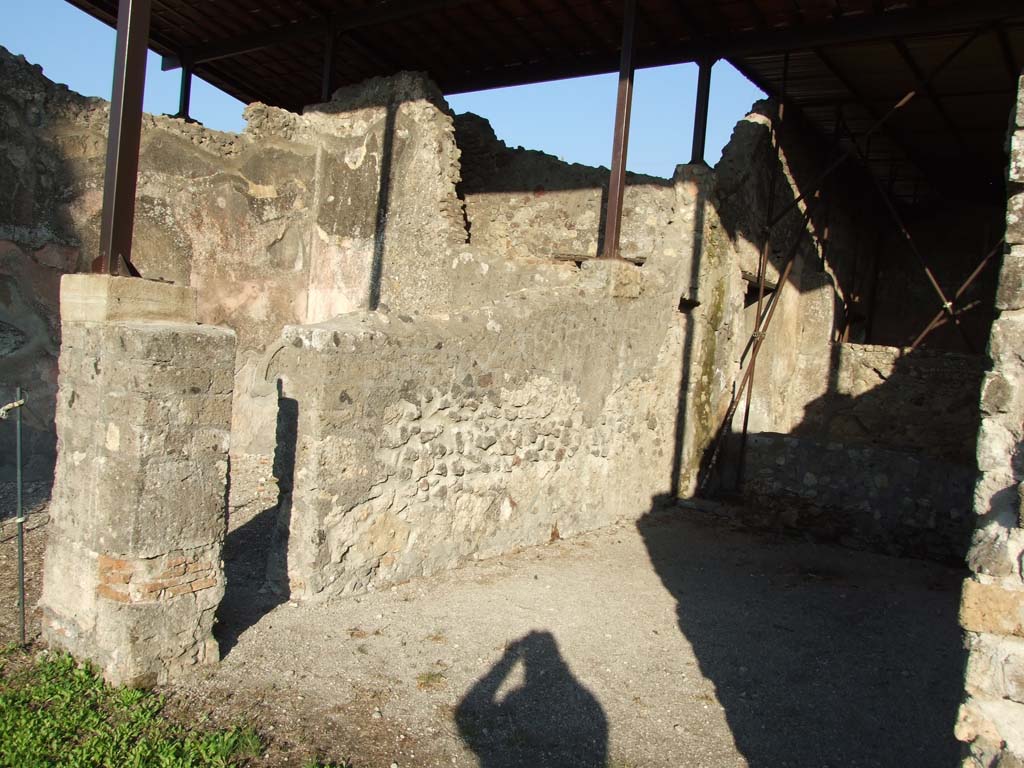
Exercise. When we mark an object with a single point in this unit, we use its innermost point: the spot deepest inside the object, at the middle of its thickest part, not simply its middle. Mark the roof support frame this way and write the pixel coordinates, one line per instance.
(929, 91)
(123, 139)
(290, 33)
(700, 114)
(876, 114)
(327, 80)
(185, 94)
(620, 140)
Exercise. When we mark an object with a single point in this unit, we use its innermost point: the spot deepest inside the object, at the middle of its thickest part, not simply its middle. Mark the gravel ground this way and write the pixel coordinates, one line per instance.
(675, 642)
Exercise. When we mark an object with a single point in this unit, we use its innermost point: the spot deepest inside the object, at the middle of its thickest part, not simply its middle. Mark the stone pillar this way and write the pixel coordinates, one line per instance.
(133, 571)
(991, 720)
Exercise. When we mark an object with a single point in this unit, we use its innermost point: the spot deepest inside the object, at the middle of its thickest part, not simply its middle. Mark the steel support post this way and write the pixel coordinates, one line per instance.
(20, 515)
(620, 141)
(700, 114)
(327, 82)
(185, 94)
(123, 140)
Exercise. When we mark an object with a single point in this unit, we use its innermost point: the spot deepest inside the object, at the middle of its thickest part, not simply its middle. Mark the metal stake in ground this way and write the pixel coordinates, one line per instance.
(19, 519)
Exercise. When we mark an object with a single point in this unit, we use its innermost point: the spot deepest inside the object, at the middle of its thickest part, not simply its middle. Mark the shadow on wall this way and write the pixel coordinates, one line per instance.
(816, 664)
(549, 720)
(383, 202)
(885, 459)
(256, 553)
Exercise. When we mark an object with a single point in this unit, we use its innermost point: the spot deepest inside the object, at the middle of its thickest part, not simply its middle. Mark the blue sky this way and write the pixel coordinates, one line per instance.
(570, 118)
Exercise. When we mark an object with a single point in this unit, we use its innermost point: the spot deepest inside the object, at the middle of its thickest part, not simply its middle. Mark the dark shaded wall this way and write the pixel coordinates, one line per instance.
(871, 445)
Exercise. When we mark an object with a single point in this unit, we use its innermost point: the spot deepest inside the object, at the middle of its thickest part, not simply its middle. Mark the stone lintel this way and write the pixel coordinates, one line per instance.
(106, 298)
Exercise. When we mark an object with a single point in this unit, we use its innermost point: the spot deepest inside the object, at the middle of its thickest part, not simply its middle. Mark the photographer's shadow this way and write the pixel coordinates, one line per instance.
(550, 720)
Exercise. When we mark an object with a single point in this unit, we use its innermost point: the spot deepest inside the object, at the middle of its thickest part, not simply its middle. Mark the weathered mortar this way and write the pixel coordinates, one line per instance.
(991, 721)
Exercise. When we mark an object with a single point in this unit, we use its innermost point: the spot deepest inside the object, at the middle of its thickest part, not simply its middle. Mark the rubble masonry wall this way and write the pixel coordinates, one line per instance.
(991, 721)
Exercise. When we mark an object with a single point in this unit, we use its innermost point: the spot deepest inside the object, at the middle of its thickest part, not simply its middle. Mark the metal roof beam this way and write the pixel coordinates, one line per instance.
(370, 17)
(929, 91)
(865, 28)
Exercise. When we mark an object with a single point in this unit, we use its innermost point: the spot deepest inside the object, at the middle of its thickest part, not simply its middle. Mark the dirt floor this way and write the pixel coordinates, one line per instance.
(677, 641)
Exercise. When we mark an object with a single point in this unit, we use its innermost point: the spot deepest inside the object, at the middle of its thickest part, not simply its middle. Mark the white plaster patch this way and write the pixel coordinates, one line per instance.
(354, 158)
(113, 438)
(262, 191)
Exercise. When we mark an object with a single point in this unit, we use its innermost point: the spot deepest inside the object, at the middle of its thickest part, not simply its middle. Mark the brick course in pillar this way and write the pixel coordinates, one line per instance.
(991, 721)
(133, 571)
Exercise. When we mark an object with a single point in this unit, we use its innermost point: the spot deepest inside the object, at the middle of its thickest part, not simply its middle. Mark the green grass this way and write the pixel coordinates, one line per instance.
(54, 712)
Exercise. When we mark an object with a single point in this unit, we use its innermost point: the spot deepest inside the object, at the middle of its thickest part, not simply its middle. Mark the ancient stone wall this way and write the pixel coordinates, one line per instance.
(884, 459)
(524, 203)
(991, 719)
(288, 222)
(420, 442)
(864, 444)
(353, 205)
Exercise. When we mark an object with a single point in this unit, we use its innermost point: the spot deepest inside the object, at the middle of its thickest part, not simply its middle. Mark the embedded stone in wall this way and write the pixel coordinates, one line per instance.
(133, 571)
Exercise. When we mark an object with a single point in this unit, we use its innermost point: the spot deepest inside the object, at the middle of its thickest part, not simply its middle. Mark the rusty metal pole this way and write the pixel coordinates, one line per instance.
(121, 175)
(185, 93)
(937, 320)
(20, 515)
(700, 115)
(762, 267)
(327, 83)
(620, 141)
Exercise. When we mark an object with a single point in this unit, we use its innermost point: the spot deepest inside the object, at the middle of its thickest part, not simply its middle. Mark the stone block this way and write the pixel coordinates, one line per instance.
(1018, 112)
(996, 551)
(1001, 394)
(1015, 219)
(995, 668)
(622, 279)
(1010, 292)
(998, 443)
(1006, 340)
(105, 298)
(1017, 157)
(134, 576)
(994, 729)
(992, 608)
